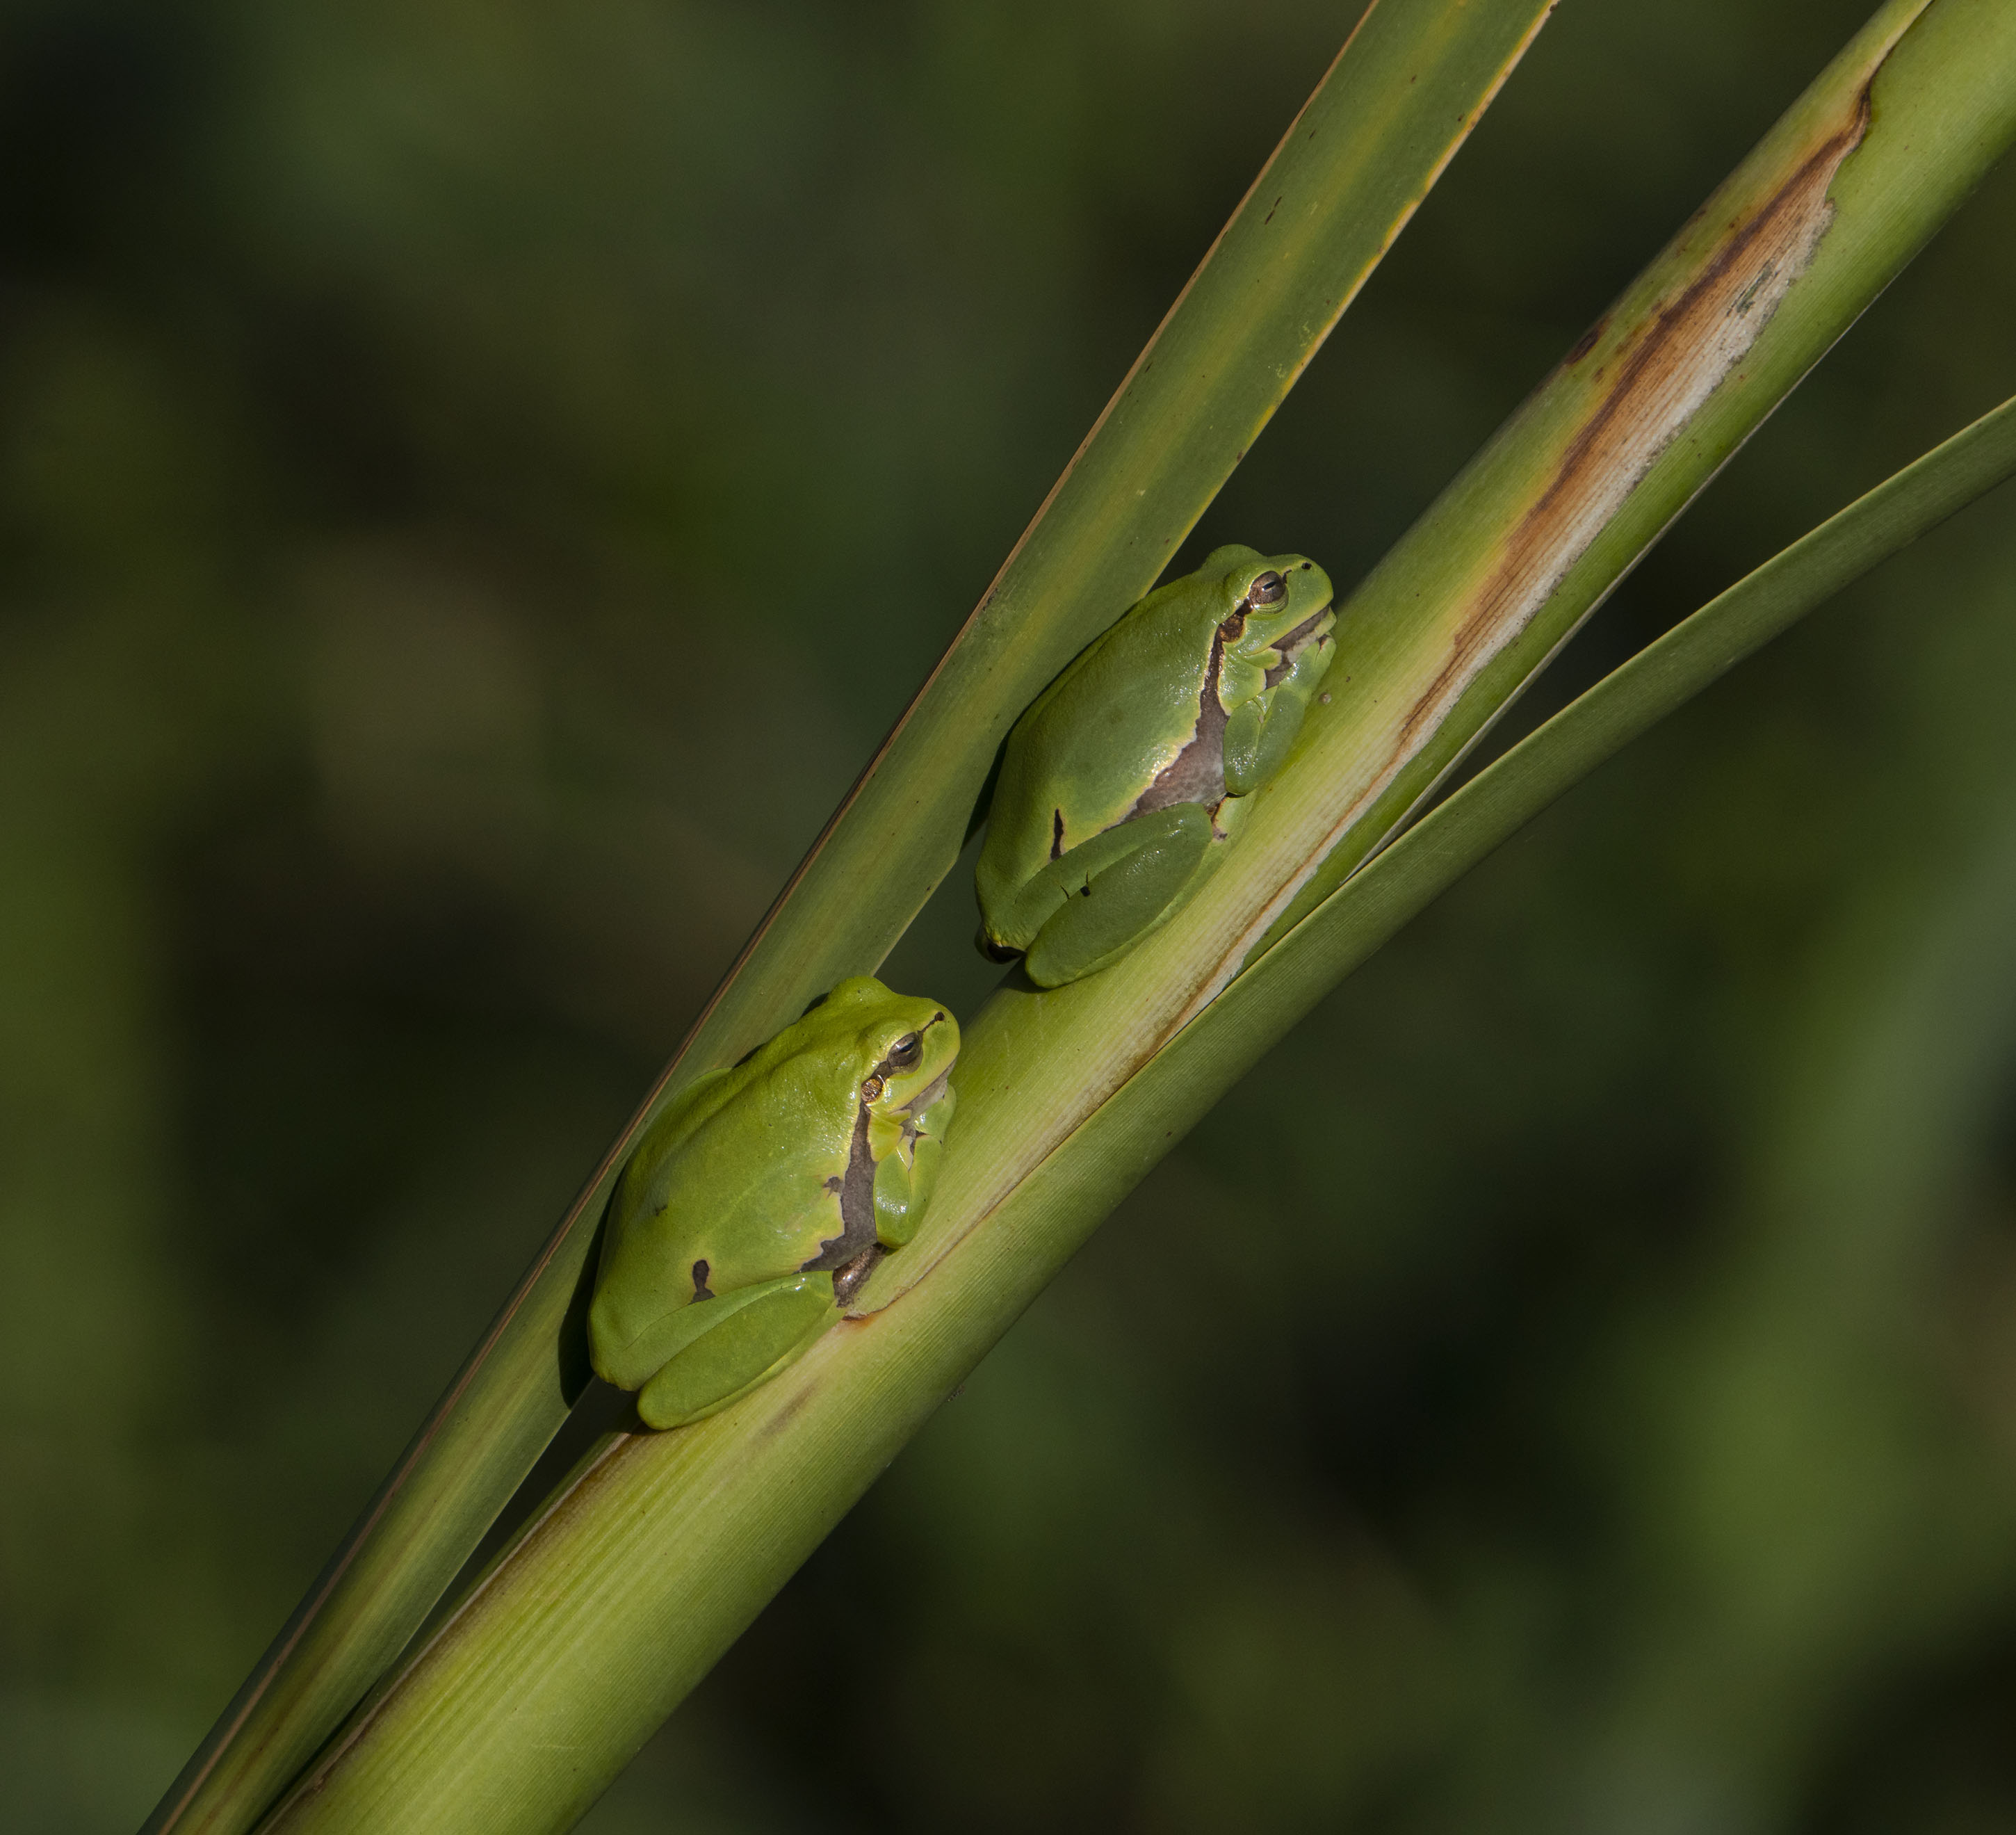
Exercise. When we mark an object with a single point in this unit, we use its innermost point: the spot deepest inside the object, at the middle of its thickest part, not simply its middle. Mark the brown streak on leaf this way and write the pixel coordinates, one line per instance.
(1684, 350)
(1669, 363)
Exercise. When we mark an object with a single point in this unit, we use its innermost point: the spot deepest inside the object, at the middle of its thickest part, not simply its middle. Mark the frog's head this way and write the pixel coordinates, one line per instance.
(902, 1047)
(1268, 601)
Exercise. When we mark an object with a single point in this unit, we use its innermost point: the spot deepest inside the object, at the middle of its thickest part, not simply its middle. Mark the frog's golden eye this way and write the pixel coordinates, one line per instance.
(1267, 589)
(906, 1052)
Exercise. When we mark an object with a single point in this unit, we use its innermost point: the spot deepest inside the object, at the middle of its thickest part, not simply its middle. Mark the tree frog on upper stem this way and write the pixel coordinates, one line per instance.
(756, 1205)
(1124, 777)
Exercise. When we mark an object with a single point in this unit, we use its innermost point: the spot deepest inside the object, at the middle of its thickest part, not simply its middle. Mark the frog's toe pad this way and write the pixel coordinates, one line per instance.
(750, 1345)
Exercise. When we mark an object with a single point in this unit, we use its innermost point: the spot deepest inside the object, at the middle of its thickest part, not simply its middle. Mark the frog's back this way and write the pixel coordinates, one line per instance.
(741, 1186)
(1119, 715)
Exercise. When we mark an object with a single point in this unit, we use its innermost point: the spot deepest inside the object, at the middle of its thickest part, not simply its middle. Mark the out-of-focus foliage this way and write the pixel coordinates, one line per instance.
(475, 482)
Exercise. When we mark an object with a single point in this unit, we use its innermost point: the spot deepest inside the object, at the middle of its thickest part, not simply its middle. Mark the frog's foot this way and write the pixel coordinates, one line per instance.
(1116, 888)
(733, 1343)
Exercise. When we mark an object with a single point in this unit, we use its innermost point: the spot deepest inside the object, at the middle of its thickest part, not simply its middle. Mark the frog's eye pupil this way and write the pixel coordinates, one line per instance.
(1266, 589)
(907, 1050)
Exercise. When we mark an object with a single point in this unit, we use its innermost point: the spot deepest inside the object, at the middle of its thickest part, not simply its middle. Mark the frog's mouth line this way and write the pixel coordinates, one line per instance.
(928, 1094)
(1293, 641)
(1312, 630)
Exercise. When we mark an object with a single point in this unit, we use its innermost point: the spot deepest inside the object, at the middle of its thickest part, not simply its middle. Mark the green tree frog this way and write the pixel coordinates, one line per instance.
(759, 1201)
(1122, 779)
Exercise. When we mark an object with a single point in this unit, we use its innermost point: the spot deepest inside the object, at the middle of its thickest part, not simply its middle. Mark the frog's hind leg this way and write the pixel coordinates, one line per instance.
(754, 1334)
(1117, 887)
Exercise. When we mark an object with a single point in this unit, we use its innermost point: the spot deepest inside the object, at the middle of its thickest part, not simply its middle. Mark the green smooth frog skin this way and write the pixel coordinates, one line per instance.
(756, 1205)
(1122, 781)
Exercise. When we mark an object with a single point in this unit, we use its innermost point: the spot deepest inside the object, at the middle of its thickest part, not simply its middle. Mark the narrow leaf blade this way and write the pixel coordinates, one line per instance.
(1402, 96)
(647, 1566)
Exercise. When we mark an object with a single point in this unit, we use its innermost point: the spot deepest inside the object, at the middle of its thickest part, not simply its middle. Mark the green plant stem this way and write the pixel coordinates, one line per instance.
(651, 1560)
(1519, 550)
(584, 1590)
(1402, 96)
(1118, 1145)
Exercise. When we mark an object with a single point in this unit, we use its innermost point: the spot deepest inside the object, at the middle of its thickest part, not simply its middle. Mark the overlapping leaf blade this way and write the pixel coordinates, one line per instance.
(649, 1562)
(1400, 97)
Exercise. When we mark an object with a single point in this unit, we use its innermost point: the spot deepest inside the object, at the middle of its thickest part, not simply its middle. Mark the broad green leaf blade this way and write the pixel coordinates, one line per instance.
(648, 1563)
(1109, 1155)
(1400, 97)
(1519, 550)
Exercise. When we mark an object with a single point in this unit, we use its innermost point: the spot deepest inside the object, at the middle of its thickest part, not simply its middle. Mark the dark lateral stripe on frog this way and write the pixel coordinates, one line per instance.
(854, 1253)
(857, 1204)
(1196, 774)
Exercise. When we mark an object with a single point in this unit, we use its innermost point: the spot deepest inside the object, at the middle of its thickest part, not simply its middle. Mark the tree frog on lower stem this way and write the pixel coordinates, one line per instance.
(756, 1205)
(1122, 781)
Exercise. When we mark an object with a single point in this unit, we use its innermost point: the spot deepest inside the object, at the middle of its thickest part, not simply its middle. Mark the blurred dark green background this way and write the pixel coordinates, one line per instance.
(475, 482)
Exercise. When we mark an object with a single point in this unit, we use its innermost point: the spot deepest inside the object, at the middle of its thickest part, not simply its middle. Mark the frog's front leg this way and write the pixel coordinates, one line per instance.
(721, 1348)
(1110, 891)
(908, 1169)
(1259, 732)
